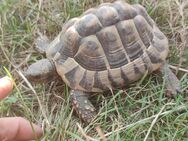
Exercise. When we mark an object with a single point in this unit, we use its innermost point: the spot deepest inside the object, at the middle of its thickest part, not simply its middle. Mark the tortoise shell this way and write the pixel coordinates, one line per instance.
(109, 47)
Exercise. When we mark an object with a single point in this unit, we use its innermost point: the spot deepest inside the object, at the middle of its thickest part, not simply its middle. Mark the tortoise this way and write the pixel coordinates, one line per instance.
(106, 48)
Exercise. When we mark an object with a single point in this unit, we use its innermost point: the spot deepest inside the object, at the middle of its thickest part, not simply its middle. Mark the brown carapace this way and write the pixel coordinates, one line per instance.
(106, 48)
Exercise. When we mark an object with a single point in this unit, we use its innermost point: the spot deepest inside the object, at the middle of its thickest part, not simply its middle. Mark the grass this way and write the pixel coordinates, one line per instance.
(140, 112)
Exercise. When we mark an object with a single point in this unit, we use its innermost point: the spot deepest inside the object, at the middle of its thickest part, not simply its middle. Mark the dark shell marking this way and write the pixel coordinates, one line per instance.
(109, 47)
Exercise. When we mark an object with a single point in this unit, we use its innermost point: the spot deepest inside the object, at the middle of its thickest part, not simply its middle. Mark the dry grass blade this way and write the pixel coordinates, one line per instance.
(101, 134)
(30, 86)
(142, 121)
(178, 68)
(153, 123)
(40, 6)
(183, 32)
(81, 130)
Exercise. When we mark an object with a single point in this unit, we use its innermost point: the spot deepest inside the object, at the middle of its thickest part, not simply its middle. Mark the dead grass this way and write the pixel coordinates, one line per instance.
(141, 112)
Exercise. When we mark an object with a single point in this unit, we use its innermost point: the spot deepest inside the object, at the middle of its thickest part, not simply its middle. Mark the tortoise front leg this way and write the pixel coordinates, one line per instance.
(82, 105)
(41, 44)
(172, 82)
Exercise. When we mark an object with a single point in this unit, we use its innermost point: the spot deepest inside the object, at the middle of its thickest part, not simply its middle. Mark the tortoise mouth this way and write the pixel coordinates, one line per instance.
(40, 78)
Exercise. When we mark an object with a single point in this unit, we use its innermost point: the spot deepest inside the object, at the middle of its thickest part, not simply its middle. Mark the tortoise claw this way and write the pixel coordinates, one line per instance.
(82, 105)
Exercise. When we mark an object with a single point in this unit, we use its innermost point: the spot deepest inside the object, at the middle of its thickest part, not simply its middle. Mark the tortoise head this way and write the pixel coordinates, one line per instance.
(44, 70)
(41, 71)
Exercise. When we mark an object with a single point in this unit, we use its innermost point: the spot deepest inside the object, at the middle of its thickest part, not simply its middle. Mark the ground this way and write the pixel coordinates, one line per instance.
(140, 112)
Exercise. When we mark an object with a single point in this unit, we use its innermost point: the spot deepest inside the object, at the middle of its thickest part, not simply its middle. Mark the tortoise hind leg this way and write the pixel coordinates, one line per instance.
(172, 82)
(82, 105)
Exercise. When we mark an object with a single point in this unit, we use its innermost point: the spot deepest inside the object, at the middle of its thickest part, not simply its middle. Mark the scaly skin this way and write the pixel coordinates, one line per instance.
(82, 105)
(172, 82)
